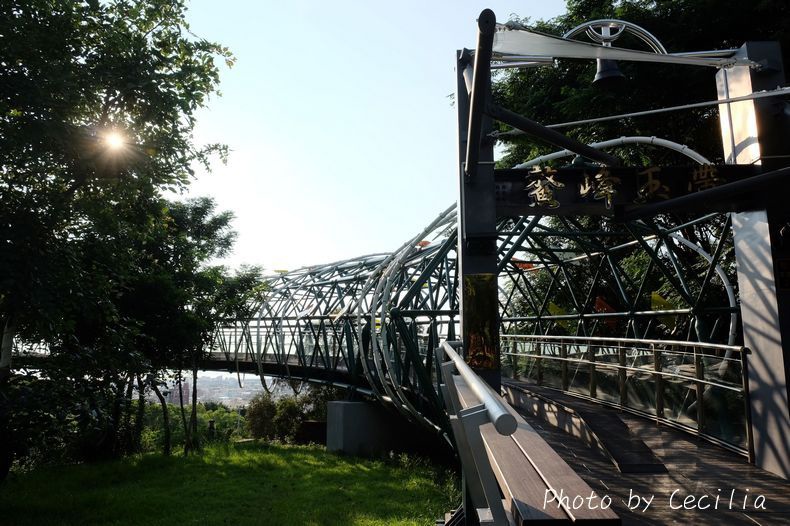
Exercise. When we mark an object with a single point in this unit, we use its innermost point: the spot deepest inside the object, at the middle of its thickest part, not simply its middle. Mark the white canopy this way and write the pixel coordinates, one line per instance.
(523, 42)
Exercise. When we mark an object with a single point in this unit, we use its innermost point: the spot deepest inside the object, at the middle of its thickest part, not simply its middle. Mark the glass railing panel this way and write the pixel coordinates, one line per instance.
(640, 388)
(607, 382)
(552, 372)
(657, 378)
(680, 397)
(528, 369)
(723, 415)
(579, 377)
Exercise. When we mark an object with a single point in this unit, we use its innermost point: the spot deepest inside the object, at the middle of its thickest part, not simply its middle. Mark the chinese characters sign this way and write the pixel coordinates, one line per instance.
(603, 190)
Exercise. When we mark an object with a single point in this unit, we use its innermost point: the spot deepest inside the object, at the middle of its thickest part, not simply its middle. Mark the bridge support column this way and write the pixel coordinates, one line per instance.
(359, 428)
(757, 132)
(477, 239)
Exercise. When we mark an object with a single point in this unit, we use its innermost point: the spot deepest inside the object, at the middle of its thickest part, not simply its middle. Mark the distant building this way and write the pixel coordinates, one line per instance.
(173, 396)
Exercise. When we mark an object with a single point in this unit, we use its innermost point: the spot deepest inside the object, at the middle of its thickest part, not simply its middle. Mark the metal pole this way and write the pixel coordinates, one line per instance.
(699, 373)
(659, 381)
(477, 247)
(481, 81)
(622, 376)
(593, 383)
(554, 137)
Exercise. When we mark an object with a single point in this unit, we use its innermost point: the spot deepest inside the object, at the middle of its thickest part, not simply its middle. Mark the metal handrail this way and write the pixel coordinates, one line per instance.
(631, 341)
(695, 380)
(607, 365)
(504, 422)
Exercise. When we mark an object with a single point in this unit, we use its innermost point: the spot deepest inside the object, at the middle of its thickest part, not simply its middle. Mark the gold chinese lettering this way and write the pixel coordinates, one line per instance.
(586, 187)
(704, 177)
(605, 187)
(653, 188)
(542, 189)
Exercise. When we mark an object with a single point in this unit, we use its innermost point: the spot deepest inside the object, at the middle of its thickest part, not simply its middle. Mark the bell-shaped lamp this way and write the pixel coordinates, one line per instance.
(607, 73)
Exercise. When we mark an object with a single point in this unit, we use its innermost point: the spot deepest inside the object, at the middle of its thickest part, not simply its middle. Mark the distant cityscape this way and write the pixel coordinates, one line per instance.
(224, 388)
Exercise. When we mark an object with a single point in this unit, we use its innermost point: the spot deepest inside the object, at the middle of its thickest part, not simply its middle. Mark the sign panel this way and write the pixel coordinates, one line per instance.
(604, 190)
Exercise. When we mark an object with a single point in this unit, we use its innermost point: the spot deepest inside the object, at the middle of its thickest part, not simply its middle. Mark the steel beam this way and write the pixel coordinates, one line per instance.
(477, 246)
(756, 132)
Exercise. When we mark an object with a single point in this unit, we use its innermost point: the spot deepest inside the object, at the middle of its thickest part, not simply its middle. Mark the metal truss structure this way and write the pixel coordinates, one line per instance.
(375, 321)
(581, 271)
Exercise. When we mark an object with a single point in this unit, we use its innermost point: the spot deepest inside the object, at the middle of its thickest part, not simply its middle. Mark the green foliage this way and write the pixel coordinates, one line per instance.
(95, 262)
(288, 417)
(281, 419)
(260, 415)
(97, 265)
(72, 208)
(229, 425)
(288, 484)
(315, 399)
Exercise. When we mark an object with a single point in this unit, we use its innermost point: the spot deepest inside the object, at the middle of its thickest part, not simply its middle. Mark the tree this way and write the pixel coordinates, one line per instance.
(73, 73)
(260, 416)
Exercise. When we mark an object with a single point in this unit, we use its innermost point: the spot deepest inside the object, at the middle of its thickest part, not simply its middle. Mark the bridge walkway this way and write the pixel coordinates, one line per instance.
(693, 467)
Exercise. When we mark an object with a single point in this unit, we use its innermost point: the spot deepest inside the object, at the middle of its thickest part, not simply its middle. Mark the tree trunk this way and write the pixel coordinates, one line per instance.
(165, 417)
(140, 416)
(195, 445)
(6, 349)
(183, 413)
(6, 450)
(126, 436)
(112, 440)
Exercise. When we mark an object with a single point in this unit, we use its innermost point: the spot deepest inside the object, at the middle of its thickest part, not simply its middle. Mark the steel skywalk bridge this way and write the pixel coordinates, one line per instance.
(376, 321)
(633, 287)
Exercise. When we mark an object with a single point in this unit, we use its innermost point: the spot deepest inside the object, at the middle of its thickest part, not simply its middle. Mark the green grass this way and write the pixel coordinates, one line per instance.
(230, 484)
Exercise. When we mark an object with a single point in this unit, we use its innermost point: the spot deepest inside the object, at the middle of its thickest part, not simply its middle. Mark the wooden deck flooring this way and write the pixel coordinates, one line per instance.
(695, 467)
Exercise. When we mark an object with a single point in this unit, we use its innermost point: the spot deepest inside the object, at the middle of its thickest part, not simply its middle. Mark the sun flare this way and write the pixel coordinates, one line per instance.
(114, 140)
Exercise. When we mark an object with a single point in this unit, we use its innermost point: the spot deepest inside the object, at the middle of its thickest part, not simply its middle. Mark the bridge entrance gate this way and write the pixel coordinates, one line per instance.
(500, 208)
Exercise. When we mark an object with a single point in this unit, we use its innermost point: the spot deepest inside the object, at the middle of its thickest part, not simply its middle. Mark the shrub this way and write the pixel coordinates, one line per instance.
(288, 417)
(316, 398)
(260, 416)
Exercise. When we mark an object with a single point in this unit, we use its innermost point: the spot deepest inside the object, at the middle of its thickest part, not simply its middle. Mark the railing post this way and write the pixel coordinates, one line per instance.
(621, 375)
(747, 404)
(659, 381)
(699, 373)
(514, 356)
(593, 383)
(539, 362)
(564, 366)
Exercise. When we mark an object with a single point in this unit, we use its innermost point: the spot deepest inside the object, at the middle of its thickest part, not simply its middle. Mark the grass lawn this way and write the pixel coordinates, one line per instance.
(230, 484)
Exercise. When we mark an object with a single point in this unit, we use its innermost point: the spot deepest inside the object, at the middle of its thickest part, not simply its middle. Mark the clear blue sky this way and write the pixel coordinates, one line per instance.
(343, 138)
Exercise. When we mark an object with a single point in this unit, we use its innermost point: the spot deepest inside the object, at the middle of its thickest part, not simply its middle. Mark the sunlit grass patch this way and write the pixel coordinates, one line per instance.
(232, 484)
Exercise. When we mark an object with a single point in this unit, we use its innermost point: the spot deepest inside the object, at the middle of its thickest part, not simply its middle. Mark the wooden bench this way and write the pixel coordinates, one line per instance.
(527, 470)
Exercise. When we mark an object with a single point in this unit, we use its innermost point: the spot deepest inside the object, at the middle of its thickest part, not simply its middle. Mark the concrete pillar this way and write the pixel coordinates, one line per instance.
(359, 428)
(757, 132)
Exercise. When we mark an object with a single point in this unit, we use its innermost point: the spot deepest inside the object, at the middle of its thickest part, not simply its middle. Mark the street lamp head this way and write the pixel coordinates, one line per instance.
(607, 73)
(605, 32)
